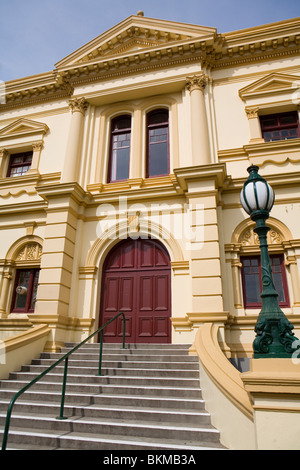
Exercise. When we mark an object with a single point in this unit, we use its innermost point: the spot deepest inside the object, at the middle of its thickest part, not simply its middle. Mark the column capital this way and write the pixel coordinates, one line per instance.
(252, 112)
(196, 82)
(37, 146)
(3, 152)
(78, 105)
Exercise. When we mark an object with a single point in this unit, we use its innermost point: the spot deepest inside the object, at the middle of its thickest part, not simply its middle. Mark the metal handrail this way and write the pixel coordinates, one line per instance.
(66, 359)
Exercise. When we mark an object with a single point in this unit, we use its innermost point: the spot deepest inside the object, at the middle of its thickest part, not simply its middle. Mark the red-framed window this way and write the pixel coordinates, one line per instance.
(119, 156)
(157, 143)
(251, 280)
(25, 289)
(19, 164)
(280, 126)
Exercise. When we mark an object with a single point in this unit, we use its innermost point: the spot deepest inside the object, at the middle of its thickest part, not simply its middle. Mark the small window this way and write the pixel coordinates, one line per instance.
(24, 296)
(119, 149)
(19, 164)
(280, 126)
(158, 143)
(251, 280)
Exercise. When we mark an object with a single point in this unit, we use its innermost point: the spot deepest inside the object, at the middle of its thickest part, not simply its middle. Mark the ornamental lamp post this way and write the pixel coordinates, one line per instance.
(274, 336)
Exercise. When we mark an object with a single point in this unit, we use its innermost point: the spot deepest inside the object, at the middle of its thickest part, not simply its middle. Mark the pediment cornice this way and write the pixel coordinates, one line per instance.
(23, 127)
(139, 44)
(273, 83)
(136, 32)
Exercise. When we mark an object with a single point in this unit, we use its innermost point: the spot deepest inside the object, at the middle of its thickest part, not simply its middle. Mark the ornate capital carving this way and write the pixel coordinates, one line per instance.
(196, 82)
(7, 275)
(3, 153)
(37, 146)
(252, 113)
(78, 105)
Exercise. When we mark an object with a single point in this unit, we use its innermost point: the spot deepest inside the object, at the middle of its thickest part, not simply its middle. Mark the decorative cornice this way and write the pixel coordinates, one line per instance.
(29, 91)
(144, 45)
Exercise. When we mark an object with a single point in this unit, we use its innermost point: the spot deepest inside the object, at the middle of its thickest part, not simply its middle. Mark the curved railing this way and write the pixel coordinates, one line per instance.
(65, 358)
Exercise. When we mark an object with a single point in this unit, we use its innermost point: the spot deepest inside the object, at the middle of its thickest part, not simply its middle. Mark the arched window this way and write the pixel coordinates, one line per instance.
(157, 143)
(252, 280)
(244, 254)
(27, 263)
(119, 154)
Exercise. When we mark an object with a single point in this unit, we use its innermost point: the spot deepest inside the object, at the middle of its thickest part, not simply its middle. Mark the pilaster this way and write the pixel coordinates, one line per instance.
(53, 296)
(201, 185)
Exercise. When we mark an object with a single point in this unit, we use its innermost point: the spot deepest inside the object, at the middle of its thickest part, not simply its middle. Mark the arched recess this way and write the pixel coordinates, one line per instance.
(133, 227)
(244, 241)
(16, 249)
(24, 254)
(91, 273)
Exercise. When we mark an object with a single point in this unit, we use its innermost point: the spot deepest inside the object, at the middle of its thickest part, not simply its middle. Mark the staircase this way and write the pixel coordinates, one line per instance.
(147, 398)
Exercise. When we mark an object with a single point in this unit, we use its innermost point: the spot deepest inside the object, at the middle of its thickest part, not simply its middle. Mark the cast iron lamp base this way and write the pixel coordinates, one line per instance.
(274, 335)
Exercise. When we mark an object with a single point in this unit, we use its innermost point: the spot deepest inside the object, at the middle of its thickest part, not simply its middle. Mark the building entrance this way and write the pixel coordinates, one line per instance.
(137, 281)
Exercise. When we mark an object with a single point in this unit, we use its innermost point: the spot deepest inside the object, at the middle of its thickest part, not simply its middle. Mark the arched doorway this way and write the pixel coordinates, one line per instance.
(137, 281)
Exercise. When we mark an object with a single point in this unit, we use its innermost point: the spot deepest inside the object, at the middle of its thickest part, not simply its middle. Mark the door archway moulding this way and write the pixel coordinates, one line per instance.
(123, 230)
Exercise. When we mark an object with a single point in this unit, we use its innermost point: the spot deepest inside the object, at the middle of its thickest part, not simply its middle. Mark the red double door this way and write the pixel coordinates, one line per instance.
(137, 281)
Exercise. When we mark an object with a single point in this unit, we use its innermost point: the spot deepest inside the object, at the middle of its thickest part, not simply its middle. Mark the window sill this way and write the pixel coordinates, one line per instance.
(260, 152)
(277, 152)
(14, 186)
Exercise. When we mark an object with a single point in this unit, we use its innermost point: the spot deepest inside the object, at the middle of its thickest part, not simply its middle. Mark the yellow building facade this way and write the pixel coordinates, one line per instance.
(142, 138)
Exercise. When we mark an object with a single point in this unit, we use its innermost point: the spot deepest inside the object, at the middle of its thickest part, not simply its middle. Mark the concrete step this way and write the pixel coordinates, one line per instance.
(147, 358)
(112, 411)
(56, 376)
(108, 426)
(95, 389)
(124, 372)
(120, 364)
(148, 397)
(31, 439)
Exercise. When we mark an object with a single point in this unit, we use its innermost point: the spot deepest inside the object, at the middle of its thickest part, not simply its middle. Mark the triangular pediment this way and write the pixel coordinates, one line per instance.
(271, 84)
(134, 34)
(23, 127)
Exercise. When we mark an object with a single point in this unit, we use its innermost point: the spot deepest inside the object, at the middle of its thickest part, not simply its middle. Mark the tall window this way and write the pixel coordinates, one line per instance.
(280, 126)
(119, 149)
(24, 296)
(251, 280)
(19, 164)
(158, 143)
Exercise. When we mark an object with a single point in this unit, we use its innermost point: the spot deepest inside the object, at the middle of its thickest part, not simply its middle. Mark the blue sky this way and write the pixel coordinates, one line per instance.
(35, 34)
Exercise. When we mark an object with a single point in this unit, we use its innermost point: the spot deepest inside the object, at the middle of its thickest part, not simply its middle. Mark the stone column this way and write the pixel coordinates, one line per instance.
(199, 127)
(36, 152)
(291, 262)
(254, 125)
(3, 156)
(78, 107)
(6, 280)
